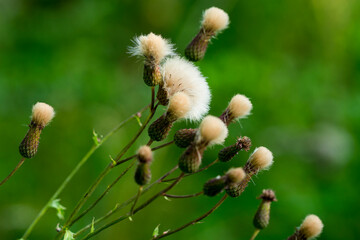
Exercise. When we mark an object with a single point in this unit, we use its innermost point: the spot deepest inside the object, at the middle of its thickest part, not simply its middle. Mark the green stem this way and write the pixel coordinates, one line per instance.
(183, 196)
(124, 204)
(193, 221)
(114, 182)
(74, 171)
(136, 199)
(13, 171)
(256, 232)
(104, 173)
(90, 235)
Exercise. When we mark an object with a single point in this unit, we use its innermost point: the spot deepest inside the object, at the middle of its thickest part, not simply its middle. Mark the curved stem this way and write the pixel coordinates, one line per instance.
(90, 235)
(189, 174)
(124, 204)
(75, 170)
(13, 171)
(136, 199)
(114, 182)
(193, 221)
(256, 232)
(103, 194)
(104, 173)
(183, 196)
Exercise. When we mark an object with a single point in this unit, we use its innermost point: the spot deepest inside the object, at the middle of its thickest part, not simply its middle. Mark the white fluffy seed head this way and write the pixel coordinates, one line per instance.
(261, 158)
(311, 227)
(215, 19)
(240, 106)
(145, 154)
(42, 114)
(235, 175)
(152, 47)
(179, 105)
(181, 75)
(212, 130)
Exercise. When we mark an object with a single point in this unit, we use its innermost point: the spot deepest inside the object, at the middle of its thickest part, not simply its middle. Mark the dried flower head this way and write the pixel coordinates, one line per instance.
(215, 20)
(212, 131)
(261, 158)
(239, 107)
(145, 154)
(227, 153)
(311, 227)
(179, 105)
(152, 47)
(262, 216)
(235, 175)
(42, 114)
(181, 75)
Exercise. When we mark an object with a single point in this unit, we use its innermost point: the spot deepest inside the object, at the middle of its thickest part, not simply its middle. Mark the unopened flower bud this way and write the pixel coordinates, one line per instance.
(214, 21)
(226, 154)
(42, 114)
(153, 48)
(214, 186)
(184, 137)
(178, 108)
(262, 216)
(239, 107)
(190, 160)
(310, 228)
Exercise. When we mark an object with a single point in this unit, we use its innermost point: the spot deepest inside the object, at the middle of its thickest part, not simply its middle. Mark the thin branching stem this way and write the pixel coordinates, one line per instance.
(114, 182)
(142, 206)
(126, 203)
(193, 221)
(183, 196)
(13, 171)
(136, 200)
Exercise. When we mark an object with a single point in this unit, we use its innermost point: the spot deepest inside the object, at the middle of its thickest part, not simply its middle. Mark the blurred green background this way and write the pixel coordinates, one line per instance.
(298, 61)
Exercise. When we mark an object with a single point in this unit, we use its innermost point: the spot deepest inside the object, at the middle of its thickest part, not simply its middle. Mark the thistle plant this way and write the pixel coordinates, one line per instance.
(185, 93)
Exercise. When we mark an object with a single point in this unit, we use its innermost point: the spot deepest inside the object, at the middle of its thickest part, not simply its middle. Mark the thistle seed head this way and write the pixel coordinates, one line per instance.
(152, 47)
(212, 131)
(145, 154)
(215, 20)
(42, 114)
(239, 107)
(235, 175)
(260, 159)
(268, 195)
(180, 75)
(262, 216)
(179, 105)
(311, 227)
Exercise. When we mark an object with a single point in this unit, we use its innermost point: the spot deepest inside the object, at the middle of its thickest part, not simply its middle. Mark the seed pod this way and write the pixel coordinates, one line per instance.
(160, 129)
(239, 107)
(42, 114)
(214, 186)
(190, 160)
(162, 95)
(262, 216)
(143, 174)
(184, 137)
(236, 189)
(226, 154)
(152, 74)
(310, 228)
(214, 20)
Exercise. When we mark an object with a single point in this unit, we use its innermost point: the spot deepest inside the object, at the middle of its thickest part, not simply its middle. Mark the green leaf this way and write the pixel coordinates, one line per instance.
(112, 160)
(59, 208)
(92, 229)
(156, 231)
(167, 199)
(138, 120)
(130, 218)
(69, 235)
(96, 138)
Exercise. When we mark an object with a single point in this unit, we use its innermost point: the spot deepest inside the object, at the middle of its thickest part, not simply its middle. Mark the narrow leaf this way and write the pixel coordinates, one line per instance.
(92, 229)
(96, 138)
(59, 208)
(138, 120)
(69, 235)
(156, 231)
